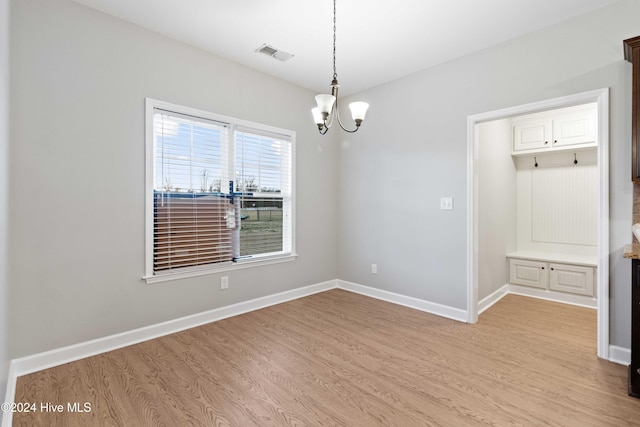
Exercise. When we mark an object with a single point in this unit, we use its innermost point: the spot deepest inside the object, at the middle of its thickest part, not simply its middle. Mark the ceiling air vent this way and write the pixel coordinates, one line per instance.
(271, 51)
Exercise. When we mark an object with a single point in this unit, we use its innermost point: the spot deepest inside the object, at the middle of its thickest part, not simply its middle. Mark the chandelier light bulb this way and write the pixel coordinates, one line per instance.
(358, 111)
(317, 116)
(325, 104)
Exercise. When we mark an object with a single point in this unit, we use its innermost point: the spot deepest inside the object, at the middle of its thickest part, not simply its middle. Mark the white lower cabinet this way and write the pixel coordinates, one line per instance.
(574, 279)
(528, 273)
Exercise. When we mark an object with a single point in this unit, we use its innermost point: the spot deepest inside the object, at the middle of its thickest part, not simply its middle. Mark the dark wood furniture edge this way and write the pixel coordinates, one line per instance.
(632, 54)
(629, 45)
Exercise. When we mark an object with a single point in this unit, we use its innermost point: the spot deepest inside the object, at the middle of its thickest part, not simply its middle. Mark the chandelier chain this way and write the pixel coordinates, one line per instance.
(335, 73)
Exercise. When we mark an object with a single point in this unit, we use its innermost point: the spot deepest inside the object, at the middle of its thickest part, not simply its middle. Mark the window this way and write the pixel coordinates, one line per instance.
(219, 192)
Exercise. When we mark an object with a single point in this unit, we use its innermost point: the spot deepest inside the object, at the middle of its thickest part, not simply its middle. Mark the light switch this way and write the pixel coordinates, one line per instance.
(446, 203)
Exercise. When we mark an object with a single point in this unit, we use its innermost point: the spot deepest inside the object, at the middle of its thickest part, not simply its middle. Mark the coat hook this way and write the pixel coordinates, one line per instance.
(535, 159)
(575, 161)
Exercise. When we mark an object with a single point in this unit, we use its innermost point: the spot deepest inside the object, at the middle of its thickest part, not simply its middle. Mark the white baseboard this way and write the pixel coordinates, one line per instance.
(619, 355)
(496, 296)
(579, 300)
(47, 359)
(416, 303)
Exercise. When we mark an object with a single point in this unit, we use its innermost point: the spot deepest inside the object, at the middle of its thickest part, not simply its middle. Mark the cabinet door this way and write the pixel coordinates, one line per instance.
(531, 134)
(528, 273)
(575, 128)
(574, 279)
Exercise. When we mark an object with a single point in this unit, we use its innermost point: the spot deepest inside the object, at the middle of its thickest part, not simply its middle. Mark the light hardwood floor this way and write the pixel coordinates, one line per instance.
(338, 358)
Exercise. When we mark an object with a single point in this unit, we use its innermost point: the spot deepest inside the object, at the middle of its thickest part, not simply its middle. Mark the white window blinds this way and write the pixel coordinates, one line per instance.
(263, 175)
(190, 209)
(218, 192)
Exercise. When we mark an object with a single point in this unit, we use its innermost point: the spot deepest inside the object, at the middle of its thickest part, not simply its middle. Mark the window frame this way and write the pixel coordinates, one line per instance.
(258, 260)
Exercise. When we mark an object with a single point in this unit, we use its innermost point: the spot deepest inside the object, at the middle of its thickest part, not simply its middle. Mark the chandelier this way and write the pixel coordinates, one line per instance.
(327, 109)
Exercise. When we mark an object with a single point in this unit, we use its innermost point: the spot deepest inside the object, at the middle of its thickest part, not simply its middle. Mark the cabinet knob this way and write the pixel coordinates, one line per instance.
(555, 141)
(551, 268)
(546, 142)
(542, 268)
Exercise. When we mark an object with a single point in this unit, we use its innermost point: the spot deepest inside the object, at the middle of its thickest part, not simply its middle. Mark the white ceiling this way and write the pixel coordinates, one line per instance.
(377, 41)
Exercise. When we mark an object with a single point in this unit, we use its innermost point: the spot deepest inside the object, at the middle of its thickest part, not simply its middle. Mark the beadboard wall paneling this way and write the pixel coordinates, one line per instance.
(557, 206)
(564, 205)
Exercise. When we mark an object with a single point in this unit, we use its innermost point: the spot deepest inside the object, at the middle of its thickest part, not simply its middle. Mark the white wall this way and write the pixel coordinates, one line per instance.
(496, 204)
(4, 191)
(79, 79)
(412, 150)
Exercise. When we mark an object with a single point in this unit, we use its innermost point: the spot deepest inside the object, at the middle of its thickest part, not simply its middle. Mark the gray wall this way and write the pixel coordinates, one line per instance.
(496, 195)
(412, 150)
(79, 79)
(4, 192)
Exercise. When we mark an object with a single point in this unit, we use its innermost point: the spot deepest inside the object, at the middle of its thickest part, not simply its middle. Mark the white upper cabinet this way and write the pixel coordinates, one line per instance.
(532, 134)
(562, 129)
(573, 128)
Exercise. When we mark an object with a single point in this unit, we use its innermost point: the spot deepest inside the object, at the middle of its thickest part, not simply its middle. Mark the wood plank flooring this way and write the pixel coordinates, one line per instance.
(342, 359)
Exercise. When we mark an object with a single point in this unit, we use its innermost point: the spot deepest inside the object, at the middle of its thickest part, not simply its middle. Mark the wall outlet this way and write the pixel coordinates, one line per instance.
(374, 268)
(224, 282)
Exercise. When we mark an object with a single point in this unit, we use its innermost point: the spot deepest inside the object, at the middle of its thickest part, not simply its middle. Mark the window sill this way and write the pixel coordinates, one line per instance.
(239, 265)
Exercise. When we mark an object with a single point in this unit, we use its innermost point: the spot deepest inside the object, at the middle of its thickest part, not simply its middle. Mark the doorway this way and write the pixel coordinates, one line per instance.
(601, 98)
